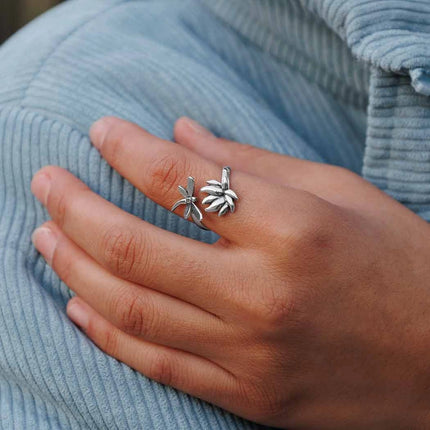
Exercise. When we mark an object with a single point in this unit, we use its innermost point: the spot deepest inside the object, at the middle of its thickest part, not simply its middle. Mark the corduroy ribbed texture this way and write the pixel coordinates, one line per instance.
(332, 81)
(344, 44)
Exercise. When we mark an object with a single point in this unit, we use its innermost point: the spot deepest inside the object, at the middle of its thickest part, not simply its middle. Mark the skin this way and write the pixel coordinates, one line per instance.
(311, 312)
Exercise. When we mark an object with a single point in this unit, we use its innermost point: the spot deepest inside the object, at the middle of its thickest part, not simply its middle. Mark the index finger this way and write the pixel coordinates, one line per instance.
(158, 168)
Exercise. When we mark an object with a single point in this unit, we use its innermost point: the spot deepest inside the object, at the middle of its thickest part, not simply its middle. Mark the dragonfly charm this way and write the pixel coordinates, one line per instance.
(221, 198)
(190, 203)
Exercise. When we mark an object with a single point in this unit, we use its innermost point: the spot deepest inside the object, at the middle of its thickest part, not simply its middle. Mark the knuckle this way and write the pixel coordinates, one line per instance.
(62, 204)
(279, 306)
(308, 253)
(342, 172)
(249, 151)
(120, 250)
(348, 177)
(59, 208)
(269, 409)
(109, 339)
(312, 237)
(273, 309)
(136, 315)
(62, 264)
(265, 403)
(277, 309)
(161, 369)
(312, 234)
(166, 173)
(114, 144)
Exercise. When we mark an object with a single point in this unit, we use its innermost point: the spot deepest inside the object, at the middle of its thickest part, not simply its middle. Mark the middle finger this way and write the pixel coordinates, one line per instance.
(128, 247)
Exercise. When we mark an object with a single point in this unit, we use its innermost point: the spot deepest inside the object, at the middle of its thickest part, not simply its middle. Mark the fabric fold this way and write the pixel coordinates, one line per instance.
(393, 35)
(372, 55)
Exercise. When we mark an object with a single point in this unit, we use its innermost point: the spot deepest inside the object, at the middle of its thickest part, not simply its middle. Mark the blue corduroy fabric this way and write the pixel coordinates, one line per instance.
(338, 81)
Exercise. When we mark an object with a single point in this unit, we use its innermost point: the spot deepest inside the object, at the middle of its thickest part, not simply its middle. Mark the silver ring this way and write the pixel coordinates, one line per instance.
(191, 210)
(221, 197)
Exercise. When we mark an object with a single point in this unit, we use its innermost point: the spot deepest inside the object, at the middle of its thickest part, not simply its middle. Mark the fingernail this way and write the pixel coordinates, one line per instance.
(98, 131)
(78, 315)
(45, 241)
(198, 129)
(40, 186)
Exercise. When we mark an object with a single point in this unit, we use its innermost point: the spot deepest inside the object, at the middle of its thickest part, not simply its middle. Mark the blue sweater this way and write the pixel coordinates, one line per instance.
(345, 82)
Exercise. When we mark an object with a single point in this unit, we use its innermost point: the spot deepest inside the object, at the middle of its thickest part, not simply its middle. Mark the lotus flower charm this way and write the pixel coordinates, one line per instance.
(190, 203)
(221, 198)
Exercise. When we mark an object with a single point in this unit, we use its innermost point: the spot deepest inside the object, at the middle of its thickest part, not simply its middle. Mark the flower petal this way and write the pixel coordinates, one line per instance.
(212, 190)
(230, 202)
(231, 193)
(214, 207)
(209, 199)
(213, 182)
(223, 210)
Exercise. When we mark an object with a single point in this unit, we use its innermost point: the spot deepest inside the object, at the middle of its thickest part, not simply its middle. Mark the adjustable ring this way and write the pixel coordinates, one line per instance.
(221, 198)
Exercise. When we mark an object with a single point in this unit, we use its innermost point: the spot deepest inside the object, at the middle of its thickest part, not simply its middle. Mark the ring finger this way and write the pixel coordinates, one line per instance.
(136, 310)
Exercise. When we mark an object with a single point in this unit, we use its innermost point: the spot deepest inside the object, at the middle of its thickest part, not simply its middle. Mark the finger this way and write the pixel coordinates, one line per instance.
(136, 310)
(271, 166)
(158, 167)
(181, 370)
(129, 247)
(326, 181)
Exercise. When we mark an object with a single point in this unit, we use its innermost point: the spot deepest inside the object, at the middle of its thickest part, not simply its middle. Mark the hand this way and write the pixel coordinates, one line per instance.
(312, 311)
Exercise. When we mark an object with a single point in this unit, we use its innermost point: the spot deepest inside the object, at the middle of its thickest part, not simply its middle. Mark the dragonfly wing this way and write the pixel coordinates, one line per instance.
(190, 185)
(183, 191)
(195, 213)
(231, 194)
(177, 204)
(223, 210)
(187, 212)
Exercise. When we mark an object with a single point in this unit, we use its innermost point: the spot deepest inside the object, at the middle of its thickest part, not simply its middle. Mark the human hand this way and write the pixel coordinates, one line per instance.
(312, 311)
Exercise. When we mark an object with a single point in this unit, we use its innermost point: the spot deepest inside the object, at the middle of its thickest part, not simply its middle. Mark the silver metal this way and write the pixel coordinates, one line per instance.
(221, 198)
(190, 203)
